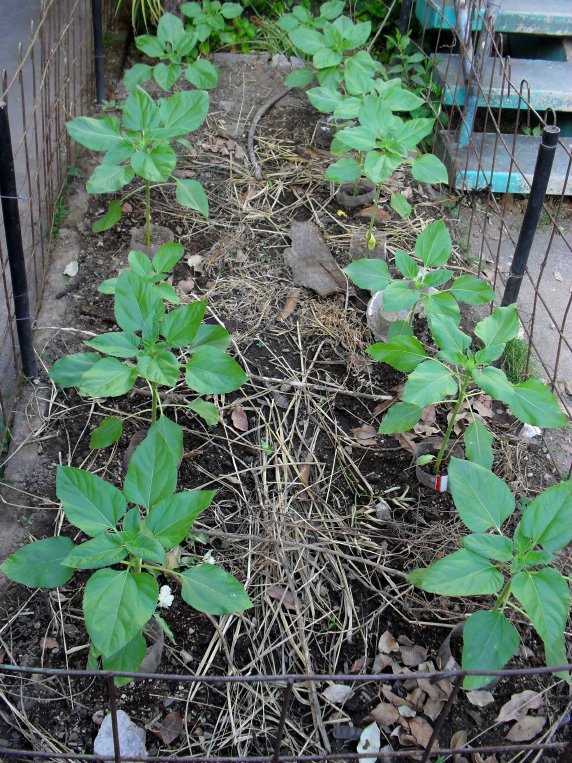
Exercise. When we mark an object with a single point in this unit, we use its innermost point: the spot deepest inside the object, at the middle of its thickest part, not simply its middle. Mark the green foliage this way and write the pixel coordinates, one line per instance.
(172, 45)
(516, 363)
(139, 146)
(152, 344)
(518, 570)
(127, 549)
(217, 24)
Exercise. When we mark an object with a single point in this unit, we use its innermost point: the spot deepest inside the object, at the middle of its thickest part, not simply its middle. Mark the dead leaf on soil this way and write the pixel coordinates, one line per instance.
(519, 705)
(383, 406)
(480, 698)
(168, 729)
(416, 698)
(526, 728)
(387, 643)
(406, 441)
(48, 643)
(420, 730)
(360, 664)
(186, 286)
(304, 474)
(365, 435)
(459, 739)
(173, 558)
(483, 405)
(385, 714)
(311, 262)
(337, 693)
(283, 595)
(239, 418)
(126, 208)
(413, 656)
(290, 305)
(380, 214)
(433, 690)
(433, 707)
(391, 697)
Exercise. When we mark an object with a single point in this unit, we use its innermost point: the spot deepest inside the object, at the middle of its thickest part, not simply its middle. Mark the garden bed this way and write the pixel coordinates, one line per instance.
(315, 513)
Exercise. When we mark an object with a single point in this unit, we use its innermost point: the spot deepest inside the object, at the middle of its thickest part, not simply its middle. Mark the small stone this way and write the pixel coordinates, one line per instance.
(131, 738)
(529, 431)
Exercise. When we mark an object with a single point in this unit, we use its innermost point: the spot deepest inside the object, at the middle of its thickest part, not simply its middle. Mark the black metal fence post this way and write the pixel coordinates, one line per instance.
(98, 50)
(13, 234)
(544, 160)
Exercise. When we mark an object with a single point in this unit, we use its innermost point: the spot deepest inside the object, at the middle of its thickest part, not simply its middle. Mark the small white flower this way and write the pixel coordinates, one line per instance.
(208, 558)
(166, 598)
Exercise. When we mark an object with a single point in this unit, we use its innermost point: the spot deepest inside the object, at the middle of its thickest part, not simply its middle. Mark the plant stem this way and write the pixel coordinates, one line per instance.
(373, 213)
(502, 597)
(147, 213)
(356, 181)
(153, 402)
(447, 437)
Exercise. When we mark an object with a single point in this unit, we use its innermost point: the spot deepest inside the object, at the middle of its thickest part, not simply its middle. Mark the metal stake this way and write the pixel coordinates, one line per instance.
(98, 50)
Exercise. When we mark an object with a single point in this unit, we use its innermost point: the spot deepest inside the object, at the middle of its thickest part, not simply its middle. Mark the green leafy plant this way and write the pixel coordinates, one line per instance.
(144, 13)
(139, 146)
(209, 22)
(385, 142)
(516, 361)
(458, 372)
(172, 44)
(519, 570)
(154, 345)
(423, 281)
(127, 547)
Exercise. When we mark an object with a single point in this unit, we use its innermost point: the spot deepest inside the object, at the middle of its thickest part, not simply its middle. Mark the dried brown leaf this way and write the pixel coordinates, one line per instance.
(459, 739)
(169, 728)
(48, 643)
(433, 707)
(387, 643)
(239, 418)
(385, 714)
(406, 441)
(337, 693)
(421, 731)
(173, 558)
(365, 435)
(391, 697)
(290, 305)
(304, 473)
(380, 214)
(283, 595)
(383, 406)
(526, 728)
(519, 705)
(480, 698)
(413, 655)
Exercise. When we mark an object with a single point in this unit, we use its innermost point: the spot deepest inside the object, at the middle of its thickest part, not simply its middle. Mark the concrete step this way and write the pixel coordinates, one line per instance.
(549, 17)
(550, 83)
(486, 162)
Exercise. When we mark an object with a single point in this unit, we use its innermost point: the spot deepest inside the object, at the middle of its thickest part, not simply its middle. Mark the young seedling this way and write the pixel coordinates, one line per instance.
(140, 145)
(520, 571)
(458, 372)
(154, 345)
(127, 547)
(173, 45)
(209, 22)
(423, 281)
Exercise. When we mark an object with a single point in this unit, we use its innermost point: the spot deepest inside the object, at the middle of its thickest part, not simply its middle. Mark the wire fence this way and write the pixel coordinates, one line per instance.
(52, 83)
(497, 92)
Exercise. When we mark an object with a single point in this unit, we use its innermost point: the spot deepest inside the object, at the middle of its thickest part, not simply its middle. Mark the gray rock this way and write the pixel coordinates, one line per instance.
(379, 320)
(131, 739)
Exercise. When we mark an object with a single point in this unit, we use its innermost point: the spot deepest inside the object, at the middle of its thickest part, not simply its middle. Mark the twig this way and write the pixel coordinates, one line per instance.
(251, 132)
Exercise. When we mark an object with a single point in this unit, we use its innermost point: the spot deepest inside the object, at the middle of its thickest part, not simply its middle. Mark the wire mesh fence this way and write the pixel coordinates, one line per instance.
(52, 83)
(495, 92)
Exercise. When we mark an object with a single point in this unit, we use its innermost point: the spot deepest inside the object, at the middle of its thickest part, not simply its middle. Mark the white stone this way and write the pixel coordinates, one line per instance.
(131, 739)
(379, 320)
(528, 431)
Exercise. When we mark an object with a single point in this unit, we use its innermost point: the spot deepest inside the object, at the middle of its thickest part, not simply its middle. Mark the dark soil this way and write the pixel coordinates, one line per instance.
(320, 536)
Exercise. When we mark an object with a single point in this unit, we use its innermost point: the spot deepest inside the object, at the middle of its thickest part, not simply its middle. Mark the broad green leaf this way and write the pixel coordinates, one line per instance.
(166, 75)
(424, 460)
(167, 293)
(442, 304)
(211, 336)
(211, 372)
(170, 520)
(402, 352)
(399, 99)
(97, 134)
(140, 112)
(308, 41)
(324, 99)
(325, 57)
(167, 256)
(401, 417)
(127, 659)
(495, 547)
(191, 194)
(39, 564)
(533, 403)
(107, 178)
(399, 328)
(231, 10)
(429, 169)
(67, 371)
(429, 383)
(378, 166)
(150, 45)
(359, 72)
(400, 204)
(160, 367)
(89, 502)
(493, 382)
(359, 138)
(372, 275)
(478, 444)
(137, 306)
(120, 344)
(482, 499)
(489, 642)
(179, 327)
(131, 524)
(110, 218)
(449, 338)
(461, 573)
(400, 295)
(136, 75)
(545, 597)
(433, 245)
(498, 327)
(414, 130)
(345, 170)
(299, 78)
(106, 433)
(202, 74)
(207, 411)
(331, 9)
(183, 112)
(152, 472)
(536, 558)
(102, 551)
(547, 521)
(348, 108)
(140, 264)
(406, 265)
(355, 35)
(375, 115)
(116, 606)
(169, 28)
(107, 286)
(472, 290)
(155, 164)
(437, 277)
(109, 377)
(147, 548)
(210, 589)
